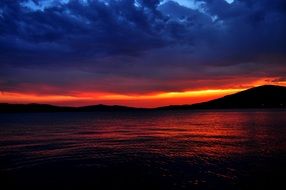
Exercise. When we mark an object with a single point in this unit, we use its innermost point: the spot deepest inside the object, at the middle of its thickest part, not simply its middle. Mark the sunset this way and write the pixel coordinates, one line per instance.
(148, 100)
(142, 94)
(145, 100)
(92, 52)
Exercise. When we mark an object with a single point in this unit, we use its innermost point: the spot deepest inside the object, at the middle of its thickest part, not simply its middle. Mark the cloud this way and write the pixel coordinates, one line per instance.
(139, 46)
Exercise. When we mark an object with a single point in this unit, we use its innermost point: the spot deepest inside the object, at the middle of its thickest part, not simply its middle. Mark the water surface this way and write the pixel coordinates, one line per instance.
(143, 150)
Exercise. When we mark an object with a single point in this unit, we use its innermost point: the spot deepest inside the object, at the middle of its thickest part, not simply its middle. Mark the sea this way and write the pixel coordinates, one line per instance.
(205, 150)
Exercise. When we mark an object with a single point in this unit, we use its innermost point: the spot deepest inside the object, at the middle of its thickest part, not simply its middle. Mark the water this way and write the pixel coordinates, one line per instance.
(144, 150)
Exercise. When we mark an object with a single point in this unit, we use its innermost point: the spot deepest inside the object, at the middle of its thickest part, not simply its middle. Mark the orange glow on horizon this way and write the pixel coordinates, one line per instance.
(170, 95)
(187, 97)
(141, 100)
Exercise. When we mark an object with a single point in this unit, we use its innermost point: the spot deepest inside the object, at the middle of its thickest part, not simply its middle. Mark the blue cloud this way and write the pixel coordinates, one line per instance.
(140, 40)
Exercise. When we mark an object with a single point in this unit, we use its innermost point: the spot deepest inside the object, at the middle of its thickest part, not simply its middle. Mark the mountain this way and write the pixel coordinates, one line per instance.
(5, 107)
(267, 96)
(101, 107)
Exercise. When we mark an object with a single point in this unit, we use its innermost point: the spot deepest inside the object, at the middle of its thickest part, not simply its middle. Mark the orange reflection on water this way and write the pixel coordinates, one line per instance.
(214, 134)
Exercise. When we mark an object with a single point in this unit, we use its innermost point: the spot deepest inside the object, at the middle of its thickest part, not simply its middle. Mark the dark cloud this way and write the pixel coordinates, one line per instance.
(138, 46)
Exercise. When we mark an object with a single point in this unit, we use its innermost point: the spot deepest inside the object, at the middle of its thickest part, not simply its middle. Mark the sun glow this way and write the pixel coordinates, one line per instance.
(89, 98)
(155, 99)
(167, 95)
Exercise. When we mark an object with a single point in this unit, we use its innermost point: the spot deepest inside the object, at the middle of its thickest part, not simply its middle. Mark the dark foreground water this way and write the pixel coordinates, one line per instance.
(144, 150)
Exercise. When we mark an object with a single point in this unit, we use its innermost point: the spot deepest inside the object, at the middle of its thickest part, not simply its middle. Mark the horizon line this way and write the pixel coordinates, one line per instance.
(136, 107)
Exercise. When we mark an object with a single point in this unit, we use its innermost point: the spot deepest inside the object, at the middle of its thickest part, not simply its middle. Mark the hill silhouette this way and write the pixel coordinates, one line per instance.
(5, 107)
(267, 96)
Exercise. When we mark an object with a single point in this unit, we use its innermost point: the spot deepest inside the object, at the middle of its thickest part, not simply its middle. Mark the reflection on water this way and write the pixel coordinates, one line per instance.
(162, 149)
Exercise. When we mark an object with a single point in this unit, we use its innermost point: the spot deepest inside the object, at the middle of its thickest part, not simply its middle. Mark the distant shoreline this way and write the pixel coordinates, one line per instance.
(262, 97)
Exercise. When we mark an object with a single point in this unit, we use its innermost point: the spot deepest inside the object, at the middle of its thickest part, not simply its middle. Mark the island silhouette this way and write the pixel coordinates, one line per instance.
(266, 96)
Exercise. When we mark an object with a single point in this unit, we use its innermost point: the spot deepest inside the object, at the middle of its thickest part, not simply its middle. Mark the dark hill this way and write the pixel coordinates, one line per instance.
(5, 107)
(101, 107)
(267, 96)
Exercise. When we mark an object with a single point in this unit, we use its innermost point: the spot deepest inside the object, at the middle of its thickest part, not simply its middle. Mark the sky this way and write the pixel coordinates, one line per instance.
(142, 53)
